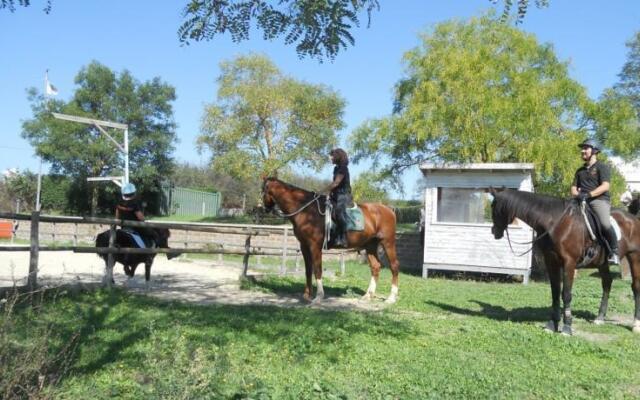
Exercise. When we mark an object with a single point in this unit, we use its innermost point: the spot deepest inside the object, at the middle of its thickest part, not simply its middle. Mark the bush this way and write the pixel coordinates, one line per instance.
(32, 356)
(407, 215)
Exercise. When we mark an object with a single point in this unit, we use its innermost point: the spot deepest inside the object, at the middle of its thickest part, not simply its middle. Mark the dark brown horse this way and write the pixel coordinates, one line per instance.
(306, 211)
(566, 244)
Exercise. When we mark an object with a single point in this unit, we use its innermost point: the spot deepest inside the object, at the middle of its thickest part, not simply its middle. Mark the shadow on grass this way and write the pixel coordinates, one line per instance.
(499, 313)
(112, 325)
(296, 289)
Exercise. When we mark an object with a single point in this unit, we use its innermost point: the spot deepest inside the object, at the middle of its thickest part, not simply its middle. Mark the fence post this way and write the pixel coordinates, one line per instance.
(75, 234)
(297, 261)
(53, 233)
(245, 259)
(283, 267)
(342, 267)
(32, 279)
(111, 259)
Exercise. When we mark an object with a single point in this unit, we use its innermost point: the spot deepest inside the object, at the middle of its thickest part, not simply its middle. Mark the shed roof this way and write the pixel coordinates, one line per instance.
(444, 166)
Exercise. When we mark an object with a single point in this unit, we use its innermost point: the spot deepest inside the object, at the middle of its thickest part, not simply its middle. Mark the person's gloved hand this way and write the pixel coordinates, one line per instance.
(583, 196)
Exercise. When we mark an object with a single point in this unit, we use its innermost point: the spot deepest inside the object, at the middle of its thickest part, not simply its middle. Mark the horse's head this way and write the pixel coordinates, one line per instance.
(268, 202)
(499, 214)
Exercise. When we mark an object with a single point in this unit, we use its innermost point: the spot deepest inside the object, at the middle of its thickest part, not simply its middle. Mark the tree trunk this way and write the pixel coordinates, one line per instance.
(94, 200)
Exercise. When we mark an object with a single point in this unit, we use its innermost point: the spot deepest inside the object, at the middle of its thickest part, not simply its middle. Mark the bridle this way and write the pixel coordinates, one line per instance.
(316, 199)
(532, 242)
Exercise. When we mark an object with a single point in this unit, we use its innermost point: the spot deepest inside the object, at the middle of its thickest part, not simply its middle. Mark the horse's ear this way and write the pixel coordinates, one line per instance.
(492, 190)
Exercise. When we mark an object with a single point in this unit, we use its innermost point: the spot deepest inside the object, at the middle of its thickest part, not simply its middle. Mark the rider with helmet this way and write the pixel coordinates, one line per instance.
(591, 183)
(130, 208)
(340, 194)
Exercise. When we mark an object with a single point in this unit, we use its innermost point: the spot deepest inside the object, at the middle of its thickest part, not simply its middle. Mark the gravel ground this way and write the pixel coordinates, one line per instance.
(196, 281)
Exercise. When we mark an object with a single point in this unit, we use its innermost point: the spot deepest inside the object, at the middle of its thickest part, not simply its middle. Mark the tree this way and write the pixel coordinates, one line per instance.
(482, 91)
(80, 151)
(318, 29)
(629, 84)
(264, 122)
(368, 187)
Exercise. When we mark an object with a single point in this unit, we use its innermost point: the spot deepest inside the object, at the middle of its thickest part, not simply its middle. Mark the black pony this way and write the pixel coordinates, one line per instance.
(131, 261)
(565, 242)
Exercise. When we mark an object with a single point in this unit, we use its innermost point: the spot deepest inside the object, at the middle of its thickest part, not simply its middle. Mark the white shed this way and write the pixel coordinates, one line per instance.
(458, 219)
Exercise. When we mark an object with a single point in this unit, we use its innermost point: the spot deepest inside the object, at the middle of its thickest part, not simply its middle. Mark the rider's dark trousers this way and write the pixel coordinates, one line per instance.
(342, 201)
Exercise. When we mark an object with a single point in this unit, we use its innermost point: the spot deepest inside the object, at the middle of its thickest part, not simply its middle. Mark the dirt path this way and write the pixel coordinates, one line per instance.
(200, 281)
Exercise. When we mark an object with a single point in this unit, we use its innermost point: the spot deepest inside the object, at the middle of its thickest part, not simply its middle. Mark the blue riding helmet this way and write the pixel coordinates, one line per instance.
(591, 143)
(128, 190)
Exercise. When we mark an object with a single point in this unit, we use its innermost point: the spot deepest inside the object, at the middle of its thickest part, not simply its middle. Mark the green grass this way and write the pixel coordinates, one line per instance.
(443, 339)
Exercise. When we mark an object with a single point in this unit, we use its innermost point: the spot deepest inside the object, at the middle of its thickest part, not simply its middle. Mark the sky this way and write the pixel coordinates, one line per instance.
(141, 37)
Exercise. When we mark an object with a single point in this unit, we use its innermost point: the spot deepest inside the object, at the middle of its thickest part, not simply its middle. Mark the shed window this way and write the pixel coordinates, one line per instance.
(464, 205)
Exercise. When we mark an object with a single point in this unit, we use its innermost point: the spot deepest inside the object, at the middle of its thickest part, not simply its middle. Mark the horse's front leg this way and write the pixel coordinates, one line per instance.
(634, 267)
(374, 264)
(554, 280)
(308, 269)
(567, 287)
(147, 272)
(605, 276)
(316, 262)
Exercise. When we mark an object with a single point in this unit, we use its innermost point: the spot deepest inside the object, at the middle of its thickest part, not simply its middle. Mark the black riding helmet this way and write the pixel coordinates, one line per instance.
(591, 143)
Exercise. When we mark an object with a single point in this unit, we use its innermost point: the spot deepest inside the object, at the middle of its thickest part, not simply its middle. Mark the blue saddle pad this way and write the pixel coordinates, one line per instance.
(355, 219)
(137, 239)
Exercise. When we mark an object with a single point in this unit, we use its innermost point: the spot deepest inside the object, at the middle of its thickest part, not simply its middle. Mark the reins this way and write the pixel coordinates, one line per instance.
(537, 238)
(316, 198)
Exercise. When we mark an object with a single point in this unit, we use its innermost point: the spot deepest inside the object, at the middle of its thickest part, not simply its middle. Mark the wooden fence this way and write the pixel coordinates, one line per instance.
(246, 250)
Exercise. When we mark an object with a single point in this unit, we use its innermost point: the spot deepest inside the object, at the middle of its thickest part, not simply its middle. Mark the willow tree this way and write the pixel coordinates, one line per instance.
(264, 122)
(482, 91)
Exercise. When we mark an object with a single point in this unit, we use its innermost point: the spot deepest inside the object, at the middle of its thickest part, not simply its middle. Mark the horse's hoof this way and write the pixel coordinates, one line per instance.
(367, 296)
(598, 321)
(391, 300)
(306, 298)
(566, 331)
(636, 329)
(550, 327)
(317, 300)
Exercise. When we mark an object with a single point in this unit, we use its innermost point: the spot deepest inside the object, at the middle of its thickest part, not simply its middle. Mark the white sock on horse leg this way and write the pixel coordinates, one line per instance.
(319, 290)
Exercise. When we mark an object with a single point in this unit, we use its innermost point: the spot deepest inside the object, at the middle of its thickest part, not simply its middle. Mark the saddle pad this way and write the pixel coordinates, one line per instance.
(355, 219)
(616, 227)
(136, 238)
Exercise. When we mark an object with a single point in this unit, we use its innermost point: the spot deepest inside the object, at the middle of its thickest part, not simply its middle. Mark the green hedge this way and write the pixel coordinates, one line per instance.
(407, 215)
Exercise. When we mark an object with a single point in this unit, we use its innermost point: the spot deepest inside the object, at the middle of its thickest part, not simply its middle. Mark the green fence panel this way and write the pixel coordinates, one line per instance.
(183, 201)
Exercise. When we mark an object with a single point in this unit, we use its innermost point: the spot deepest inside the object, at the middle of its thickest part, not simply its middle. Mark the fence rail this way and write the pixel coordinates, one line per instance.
(245, 250)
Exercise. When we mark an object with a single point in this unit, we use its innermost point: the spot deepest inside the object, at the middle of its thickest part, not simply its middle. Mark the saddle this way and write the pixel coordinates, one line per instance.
(140, 241)
(596, 233)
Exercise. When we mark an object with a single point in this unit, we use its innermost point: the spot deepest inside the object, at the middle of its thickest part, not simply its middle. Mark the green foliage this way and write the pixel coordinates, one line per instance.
(369, 187)
(264, 122)
(483, 91)
(22, 186)
(471, 339)
(629, 85)
(318, 29)
(80, 150)
(408, 215)
(11, 5)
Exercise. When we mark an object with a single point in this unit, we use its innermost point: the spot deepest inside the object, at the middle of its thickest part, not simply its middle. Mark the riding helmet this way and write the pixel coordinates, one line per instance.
(591, 143)
(128, 190)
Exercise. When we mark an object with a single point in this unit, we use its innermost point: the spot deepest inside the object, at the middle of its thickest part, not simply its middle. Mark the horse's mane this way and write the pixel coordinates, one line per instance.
(537, 207)
(289, 186)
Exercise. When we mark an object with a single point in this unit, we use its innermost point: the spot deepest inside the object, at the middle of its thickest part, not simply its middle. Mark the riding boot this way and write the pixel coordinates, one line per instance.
(613, 246)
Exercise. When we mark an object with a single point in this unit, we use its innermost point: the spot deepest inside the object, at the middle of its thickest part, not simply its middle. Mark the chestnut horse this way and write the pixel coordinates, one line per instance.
(306, 211)
(563, 237)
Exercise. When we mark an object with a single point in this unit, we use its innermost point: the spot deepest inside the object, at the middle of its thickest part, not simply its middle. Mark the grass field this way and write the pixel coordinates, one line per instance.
(444, 339)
